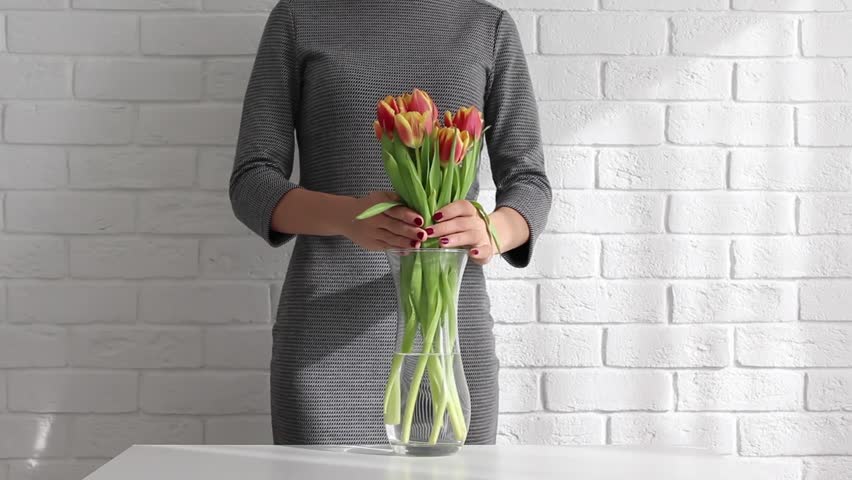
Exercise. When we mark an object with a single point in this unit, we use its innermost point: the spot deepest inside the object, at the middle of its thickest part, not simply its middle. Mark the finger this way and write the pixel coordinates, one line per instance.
(459, 208)
(394, 240)
(392, 196)
(402, 229)
(406, 215)
(449, 227)
(461, 239)
(481, 254)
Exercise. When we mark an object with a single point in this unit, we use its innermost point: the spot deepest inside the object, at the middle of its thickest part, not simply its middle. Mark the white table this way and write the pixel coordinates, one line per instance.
(190, 462)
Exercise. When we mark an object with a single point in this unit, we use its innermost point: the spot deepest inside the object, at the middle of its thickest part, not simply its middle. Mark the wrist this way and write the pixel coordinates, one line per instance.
(344, 212)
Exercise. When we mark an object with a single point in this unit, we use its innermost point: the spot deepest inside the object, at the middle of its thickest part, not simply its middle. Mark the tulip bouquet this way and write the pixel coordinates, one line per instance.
(429, 165)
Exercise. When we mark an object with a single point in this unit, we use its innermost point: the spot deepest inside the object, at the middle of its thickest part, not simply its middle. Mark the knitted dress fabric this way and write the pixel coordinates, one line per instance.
(321, 68)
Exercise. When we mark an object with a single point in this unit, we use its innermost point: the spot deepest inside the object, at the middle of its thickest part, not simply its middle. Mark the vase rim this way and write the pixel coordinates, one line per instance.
(415, 250)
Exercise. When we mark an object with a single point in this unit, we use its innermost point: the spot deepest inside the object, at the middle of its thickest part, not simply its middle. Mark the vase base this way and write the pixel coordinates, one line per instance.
(426, 450)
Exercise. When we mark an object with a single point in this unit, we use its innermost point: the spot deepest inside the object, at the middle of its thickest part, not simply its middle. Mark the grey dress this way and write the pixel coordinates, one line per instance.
(321, 67)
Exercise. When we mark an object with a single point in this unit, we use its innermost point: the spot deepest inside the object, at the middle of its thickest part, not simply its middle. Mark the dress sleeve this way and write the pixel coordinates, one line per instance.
(514, 139)
(265, 145)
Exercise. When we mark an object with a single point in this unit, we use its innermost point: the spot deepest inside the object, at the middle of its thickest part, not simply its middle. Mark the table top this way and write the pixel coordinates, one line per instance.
(515, 462)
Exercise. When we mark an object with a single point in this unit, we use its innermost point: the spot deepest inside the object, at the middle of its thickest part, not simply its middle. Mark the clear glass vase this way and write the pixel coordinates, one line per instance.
(427, 402)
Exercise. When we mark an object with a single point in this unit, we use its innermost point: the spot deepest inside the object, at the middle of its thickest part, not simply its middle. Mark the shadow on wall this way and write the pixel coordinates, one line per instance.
(681, 195)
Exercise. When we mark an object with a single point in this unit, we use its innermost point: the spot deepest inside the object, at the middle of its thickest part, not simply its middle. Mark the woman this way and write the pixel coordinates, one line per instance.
(321, 68)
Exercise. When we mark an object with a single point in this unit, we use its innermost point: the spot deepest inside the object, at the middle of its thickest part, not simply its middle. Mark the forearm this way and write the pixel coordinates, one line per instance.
(307, 212)
(512, 230)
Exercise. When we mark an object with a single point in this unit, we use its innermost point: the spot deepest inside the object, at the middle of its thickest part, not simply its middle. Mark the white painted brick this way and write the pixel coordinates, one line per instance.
(662, 168)
(70, 303)
(667, 346)
(188, 212)
(52, 469)
(569, 167)
(792, 257)
(135, 347)
(602, 123)
(68, 391)
(665, 4)
(240, 430)
(32, 4)
(805, 345)
(135, 167)
(109, 435)
(602, 302)
(556, 78)
(726, 124)
(733, 390)
(829, 390)
(735, 213)
(31, 167)
(3, 305)
(242, 258)
(551, 429)
(72, 33)
(227, 79)
(214, 168)
(713, 432)
(795, 434)
(204, 304)
(133, 257)
(827, 468)
(792, 170)
(661, 256)
(201, 34)
(824, 214)
(557, 256)
(526, 23)
(2, 395)
(793, 5)
(242, 347)
(542, 4)
(607, 390)
(794, 81)
(598, 33)
(519, 391)
(32, 257)
(825, 125)
(668, 79)
(135, 4)
(606, 212)
(26, 346)
(61, 212)
(777, 468)
(137, 79)
(733, 35)
(724, 302)
(33, 77)
(69, 123)
(826, 300)
(512, 301)
(548, 346)
(244, 5)
(22, 432)
(205, 124)
(827, 36)
(213, 393)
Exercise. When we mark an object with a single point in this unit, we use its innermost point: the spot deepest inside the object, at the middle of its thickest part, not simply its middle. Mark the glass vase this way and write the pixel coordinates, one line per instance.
(427, 401)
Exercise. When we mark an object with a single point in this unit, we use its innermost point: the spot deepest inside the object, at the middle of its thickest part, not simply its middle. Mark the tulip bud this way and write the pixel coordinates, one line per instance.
(422, 102)
(411, 128)
(447, 137)
(386, 111)
(469, 119)
(378, 127)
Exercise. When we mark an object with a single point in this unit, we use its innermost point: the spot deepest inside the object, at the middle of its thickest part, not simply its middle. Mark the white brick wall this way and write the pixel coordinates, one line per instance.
(692, 287)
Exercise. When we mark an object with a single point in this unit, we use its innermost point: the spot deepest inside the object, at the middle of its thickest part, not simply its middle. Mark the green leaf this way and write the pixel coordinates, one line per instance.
(492, 232)
(377, 209)
(393, 173)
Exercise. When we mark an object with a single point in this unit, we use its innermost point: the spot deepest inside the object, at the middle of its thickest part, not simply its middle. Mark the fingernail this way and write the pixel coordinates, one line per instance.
(420, 235)
(413, 243)
(475, 252)
(438, 216)
(418, 221)
(445, 241)
(430, 231)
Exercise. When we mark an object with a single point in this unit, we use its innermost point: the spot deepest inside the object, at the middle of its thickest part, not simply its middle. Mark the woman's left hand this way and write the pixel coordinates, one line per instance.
(459, 225)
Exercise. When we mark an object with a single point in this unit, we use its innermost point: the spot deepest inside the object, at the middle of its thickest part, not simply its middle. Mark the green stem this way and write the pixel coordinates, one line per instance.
(419, 370)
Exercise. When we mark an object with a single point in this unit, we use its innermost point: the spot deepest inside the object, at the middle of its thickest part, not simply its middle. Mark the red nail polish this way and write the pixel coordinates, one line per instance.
(418, 221)
(420, 235)
(445, 241)
(438, 216)
(475, 252)
(430, 231)
(413, 243)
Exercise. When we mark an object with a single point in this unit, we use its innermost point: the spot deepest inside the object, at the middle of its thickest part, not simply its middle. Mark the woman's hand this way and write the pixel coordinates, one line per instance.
(398, 227)
(459, 225)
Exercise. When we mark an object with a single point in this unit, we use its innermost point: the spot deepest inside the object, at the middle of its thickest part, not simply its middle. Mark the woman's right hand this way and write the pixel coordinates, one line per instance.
(398, 227)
